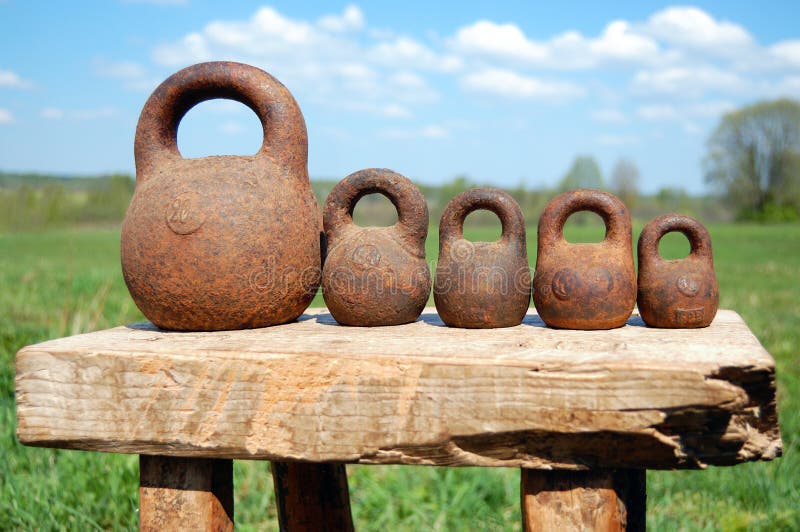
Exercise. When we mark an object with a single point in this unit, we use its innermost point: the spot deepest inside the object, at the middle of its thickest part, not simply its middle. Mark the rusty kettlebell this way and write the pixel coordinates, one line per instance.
(375, 275)
(222, 242)
(482, 285)
(680, 293)
(584, 286)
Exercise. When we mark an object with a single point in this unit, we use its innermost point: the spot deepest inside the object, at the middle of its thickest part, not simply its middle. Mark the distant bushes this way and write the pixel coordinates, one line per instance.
(32, 202)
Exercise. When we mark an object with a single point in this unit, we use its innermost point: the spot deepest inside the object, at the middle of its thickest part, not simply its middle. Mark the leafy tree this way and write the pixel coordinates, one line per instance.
(625, 182)
(584, 173)
(754, 157)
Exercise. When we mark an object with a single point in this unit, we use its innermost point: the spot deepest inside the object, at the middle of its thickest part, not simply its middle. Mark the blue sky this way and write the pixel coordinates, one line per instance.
(505, 92)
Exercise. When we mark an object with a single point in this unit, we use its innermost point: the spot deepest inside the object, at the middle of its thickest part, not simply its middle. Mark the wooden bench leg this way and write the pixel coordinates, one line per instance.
(185, 494)
(312, 496)
(603, 500)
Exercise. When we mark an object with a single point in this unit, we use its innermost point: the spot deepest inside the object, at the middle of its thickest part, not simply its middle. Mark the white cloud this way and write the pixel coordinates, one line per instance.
(786, 87)
(232, 128)
(321, 61)
(619, 42)
(788, 52)
(568, 50)
(133, 75)
(659, 112)
(611, 116)
(5, 116)
(12, 80)
(508, 83)
(52, 113)
(503, 40)
(404, 52)
(394, 110)
(690, 81)
(695, 111)
(434, 132)
(351, 19)
(693, 28)
(691, 128)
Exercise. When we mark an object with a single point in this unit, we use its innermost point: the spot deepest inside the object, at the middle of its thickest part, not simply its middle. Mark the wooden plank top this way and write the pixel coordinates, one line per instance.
(420, 393)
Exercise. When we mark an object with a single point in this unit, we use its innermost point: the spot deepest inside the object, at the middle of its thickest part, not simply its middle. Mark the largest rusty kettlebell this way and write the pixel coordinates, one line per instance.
(680, 293)
(482, 285)
(584, 286)
(376, 275)
(222, 242)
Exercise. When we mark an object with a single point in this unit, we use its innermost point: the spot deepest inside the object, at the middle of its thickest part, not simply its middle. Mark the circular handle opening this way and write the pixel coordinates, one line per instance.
(654, 233)
(674, 246)
(584, 227)
(482, 225)
(217, 127)
(374, 210)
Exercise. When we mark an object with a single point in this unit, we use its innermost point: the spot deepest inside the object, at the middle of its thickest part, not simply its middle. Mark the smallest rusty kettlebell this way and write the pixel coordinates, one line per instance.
(681, 293)
(375, 276)
(482, 285)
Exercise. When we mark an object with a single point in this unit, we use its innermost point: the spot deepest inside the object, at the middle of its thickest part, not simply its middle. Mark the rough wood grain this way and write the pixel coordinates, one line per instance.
(526, 396)
(600, 500)
(185, 494)
(312, 497)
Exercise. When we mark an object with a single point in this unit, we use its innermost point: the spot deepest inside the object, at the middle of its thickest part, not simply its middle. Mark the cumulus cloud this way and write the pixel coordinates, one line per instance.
(134, 76)
(352, 19)
(12, 80)
(5, 116)
(568, 50)
(332, 60)
(687, 80)
(693, 28)
(685, 113)
(508, 83)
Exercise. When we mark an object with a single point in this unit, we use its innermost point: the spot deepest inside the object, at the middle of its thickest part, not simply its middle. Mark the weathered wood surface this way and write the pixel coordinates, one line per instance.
(600, 500)
(185, 494)
(312, 497)
(526, 396)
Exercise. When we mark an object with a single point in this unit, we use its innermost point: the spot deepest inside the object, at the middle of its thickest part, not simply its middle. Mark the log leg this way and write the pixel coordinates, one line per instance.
(604, 500)
(312, 496)
(185, 494)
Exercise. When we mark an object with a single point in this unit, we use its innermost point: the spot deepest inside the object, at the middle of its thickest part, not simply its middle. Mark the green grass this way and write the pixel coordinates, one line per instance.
(61, 283)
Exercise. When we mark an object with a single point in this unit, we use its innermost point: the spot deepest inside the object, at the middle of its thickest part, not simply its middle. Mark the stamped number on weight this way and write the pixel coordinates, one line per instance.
(184, 214)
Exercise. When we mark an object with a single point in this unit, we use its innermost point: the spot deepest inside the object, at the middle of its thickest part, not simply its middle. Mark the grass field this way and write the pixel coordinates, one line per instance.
(61, 283)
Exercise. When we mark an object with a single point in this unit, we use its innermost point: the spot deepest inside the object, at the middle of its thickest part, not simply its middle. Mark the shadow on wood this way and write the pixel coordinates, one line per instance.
(185, 494)
(601, 500)
(312, 496)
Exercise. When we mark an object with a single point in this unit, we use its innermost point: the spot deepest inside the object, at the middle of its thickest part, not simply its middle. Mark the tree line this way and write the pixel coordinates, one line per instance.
(752, 164)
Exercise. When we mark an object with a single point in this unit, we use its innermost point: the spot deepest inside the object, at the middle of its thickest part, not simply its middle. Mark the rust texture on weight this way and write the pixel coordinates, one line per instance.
(223, 242)
(375, 275)
(585, 286)
(482, 285)
(680, 293)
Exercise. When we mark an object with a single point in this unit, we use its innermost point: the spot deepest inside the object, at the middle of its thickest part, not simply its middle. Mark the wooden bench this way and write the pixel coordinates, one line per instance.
(583, 413)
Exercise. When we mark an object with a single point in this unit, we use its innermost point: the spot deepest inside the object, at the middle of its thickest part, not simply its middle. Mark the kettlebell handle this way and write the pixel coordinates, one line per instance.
(501, 203)
(607, 206)
(412, 211)
(285, 139)
(695, 232)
